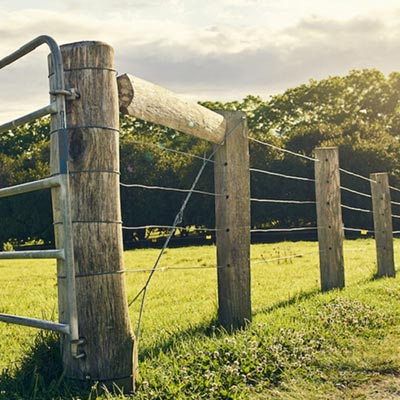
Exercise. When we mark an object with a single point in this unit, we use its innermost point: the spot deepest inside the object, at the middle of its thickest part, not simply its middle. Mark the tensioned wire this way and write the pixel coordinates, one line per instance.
(283, 150)
(258, 171)
(178, 219)
(162, 147)
(192, 190)
(171, 189)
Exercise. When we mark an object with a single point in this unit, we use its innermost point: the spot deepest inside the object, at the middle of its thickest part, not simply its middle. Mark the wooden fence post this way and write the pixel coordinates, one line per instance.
(329, 217)
(382, 209)
(93, 138)
(232, 213)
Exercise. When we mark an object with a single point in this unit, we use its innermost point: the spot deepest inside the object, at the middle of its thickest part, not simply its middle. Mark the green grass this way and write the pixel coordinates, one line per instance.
(301, 345)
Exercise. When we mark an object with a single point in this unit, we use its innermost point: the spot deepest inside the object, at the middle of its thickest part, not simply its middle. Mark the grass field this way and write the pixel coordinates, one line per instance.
(301, 345)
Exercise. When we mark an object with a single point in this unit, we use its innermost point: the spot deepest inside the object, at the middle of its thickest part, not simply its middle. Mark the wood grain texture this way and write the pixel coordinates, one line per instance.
(329, 217)
(232, 213)
(381, 205)
(93, 140)
(141, 99)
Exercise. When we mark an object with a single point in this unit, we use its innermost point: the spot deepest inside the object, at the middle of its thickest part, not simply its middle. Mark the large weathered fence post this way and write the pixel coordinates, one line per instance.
(232, 213)
(93, 123)
(382, 209)
(329, 217)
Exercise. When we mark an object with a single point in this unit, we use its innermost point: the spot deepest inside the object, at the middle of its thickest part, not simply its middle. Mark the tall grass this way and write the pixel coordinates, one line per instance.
(183, 354)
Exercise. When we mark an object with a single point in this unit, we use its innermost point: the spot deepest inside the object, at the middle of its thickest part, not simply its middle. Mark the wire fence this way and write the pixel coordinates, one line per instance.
(171, 229)
(259, 200)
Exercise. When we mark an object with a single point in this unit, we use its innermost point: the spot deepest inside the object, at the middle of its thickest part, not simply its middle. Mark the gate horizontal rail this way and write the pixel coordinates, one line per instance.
(50, 109)
(33, 254)
(57, 109)
(35, 323)
(46, 183)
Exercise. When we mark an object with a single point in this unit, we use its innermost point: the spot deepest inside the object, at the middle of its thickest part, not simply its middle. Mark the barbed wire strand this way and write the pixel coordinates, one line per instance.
(283, 150)
(345, 171)
(268, 260)
(283, 201)
(201, 267)
(356, 192)
(395, 203)
(395, 216)
(299, 178)
(171, 189)
(175, 268)
(282, 230)
(137, 228)
(160, 146)
(177, 220)
(345, 228)
(394, 188)
(355, 208)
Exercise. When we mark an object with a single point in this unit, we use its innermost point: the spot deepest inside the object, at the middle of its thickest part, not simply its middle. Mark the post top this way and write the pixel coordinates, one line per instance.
(90, 54)
(327, 148)
(84, 43)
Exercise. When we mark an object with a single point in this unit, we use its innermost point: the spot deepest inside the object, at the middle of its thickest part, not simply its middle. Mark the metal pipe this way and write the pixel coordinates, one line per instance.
(50, 109)
(58, 112)
(30, 186)
(35, 323)
(15, 255)
(70, 264)
(32, 45)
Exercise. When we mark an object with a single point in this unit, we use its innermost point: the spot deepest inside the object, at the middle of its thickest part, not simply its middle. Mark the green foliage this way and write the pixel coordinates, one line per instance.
(24, 157)
(143, 161)
(25, 138)
(358, 112)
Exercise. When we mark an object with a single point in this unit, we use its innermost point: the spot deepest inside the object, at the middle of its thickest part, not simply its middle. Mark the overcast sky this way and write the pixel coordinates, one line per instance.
(209, 49)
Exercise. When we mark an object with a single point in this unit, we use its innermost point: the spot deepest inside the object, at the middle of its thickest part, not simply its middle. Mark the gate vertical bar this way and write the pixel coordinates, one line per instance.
(93, 142)
(61, 195)
(232, 213)
(329, 217)
(383, 228)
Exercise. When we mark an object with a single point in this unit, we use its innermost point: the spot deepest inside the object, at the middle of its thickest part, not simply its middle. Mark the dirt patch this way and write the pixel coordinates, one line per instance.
(387, 387)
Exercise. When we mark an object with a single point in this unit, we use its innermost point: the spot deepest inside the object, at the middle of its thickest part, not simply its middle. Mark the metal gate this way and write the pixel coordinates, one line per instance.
(57, 109)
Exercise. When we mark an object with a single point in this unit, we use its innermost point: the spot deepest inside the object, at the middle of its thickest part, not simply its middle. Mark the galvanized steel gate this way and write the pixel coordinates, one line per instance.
(57, 109)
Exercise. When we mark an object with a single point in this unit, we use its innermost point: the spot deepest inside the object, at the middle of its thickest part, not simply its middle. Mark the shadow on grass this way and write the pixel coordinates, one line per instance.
(377, 277)
(39, 374)
(290, 301)
(209, 328)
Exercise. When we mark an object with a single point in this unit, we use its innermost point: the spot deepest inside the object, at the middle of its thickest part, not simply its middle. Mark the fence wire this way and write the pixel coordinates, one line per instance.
(178, 219)
(183, 228)
(283, 150)
(283, 201)
(169, 149)
(168, 189)
(299, 178)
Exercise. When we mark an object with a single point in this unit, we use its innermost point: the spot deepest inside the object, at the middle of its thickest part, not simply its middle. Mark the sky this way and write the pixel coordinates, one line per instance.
(203, 50)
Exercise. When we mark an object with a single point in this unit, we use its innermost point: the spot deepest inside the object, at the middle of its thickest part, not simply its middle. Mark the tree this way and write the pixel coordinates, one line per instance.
(24, 157)
(359, 113)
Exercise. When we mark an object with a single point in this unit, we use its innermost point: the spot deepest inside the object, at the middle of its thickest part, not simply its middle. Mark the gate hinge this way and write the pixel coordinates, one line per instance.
(70, 94)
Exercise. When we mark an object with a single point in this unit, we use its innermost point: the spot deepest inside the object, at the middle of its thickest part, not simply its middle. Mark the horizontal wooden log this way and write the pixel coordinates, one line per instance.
(145, 100)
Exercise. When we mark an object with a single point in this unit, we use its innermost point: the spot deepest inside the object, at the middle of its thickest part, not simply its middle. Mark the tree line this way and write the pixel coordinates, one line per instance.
(359, 113)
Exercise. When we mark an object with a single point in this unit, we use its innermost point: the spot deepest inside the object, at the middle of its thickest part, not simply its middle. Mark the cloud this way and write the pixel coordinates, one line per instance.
(214, 61)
